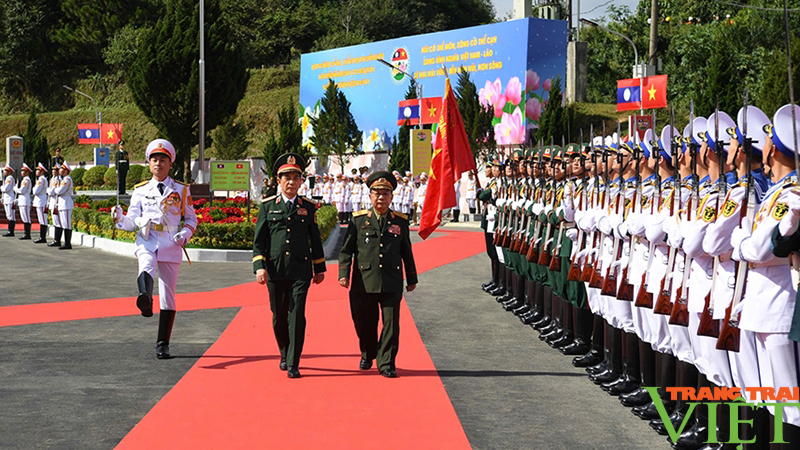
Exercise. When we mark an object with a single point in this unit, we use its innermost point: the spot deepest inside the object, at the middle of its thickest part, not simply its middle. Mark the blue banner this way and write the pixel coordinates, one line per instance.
(511, 63)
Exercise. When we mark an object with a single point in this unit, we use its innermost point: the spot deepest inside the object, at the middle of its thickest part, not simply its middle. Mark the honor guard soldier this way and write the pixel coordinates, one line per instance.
(23, 192)
(52, 204)
(157, 208)
(9, 196)
(287, 255)
(40, 202)
(377, 246)
(65, 205)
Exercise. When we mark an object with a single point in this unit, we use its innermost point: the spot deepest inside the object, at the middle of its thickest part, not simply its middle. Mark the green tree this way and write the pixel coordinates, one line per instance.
(335, 131)
(230, 140)
(400, 157)
(289, 138)
(36, 148)
(553, 124)
(775, 87)
(477, 119)
(164, 78)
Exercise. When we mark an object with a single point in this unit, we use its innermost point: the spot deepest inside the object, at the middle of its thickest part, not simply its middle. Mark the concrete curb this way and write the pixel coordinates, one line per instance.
(331, 247)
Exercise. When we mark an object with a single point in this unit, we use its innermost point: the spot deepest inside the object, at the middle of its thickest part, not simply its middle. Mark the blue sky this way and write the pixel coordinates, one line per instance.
(503, 7)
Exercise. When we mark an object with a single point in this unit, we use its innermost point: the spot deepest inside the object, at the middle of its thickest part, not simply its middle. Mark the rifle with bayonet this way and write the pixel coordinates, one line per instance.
(597, 276)
(680, 310)
(625, 291)
(644, 298)
(663, 304)
(588, 268)
(574, 273)
(610, 280)
(729, 333)
(555, 260)
(544, 255)
(532, 255)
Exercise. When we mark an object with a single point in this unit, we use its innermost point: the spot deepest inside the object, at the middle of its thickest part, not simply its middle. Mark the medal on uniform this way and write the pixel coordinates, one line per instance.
(366, 240)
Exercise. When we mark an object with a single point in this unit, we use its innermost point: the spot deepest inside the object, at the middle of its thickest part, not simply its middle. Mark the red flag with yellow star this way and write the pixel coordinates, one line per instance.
(452, 156)
(111, 133)
(654, 92)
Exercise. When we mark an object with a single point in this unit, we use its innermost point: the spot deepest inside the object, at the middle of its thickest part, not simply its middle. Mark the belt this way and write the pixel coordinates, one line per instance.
(160, 227)
(725, 257)
(771, 263)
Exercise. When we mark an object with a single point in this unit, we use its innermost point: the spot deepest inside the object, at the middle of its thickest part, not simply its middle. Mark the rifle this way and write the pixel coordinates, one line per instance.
(502, 194)
(644, 298)
(730, 334)
(596, 280)
(520, 239)
(588, 268)
(680, 310)
(524, 233)
(544, 256)
(574, 273)
(610, 281)
(625, 291)
(533, 254)
(664, 303)
(555, 260)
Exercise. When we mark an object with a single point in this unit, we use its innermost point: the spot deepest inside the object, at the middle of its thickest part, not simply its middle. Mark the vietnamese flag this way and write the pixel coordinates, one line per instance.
(111, 133)
(431, 110)
(452, 156)
(654, 92)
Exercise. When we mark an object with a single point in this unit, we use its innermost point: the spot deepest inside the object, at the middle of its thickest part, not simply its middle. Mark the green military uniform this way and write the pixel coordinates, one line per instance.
(377, 248)
(288, 246)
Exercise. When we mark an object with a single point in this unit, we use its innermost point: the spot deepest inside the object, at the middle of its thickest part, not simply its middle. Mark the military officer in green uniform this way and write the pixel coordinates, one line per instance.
(287, 255)
(377, 246)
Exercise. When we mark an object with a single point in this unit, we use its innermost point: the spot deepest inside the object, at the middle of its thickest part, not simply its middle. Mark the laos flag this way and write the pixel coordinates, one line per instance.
(408, 110)
(629, 94)
(88, 133)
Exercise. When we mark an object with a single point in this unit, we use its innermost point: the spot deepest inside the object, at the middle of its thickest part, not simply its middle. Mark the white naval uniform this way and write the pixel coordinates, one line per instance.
(337, 197)
(355, 196)
(52, 200)
(471, 194)
(366, 202)
(40, 191)
(768, 304)
(420, 196)
(65, 202)
(9, 195)
(158, 218)
(634, 224)
(24, 199)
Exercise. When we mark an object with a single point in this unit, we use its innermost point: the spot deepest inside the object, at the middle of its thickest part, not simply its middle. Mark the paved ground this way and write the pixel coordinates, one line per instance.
(85, 384)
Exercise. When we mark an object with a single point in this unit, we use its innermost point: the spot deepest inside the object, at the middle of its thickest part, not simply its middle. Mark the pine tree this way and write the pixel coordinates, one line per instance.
(774, 91)
(477, 119)
(289, 138)
(335, 131)
(553, 124)
(400, 159)
(230, 140)
(164, 80)
(723, 80)
(35, 143)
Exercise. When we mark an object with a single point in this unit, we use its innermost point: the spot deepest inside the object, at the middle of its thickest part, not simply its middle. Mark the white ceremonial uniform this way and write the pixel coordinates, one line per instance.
(316, 193)
(65, 203)
(52, 200)
(355, 196)
(347, 190)
(366, 202)
(397, 196)
(40, 191)
(420, 195)
(24, 199)
(338, 195)
(768, 303)
(158, 218)
(9, 195)
(471, 194)
(458, 194)
(327, 192)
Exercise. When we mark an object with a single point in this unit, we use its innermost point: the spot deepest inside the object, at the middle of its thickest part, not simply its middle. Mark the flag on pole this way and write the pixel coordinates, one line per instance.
(112, 133)
(452, 156)
(644, 93)
(408, 110)
(88, 133)
(629, 96)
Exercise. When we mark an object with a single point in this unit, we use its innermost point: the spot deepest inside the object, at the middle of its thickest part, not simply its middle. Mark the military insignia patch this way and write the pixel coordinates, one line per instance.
(780, 210)
(302, 212)
(709, 214)
(729, 208)
(394, 229)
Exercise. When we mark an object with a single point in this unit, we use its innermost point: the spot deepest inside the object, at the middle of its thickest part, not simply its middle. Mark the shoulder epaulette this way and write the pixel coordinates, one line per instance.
(266, 199)
(399, 214)
(308, 200)
(180, 182)
(141, 183)
(360, 213)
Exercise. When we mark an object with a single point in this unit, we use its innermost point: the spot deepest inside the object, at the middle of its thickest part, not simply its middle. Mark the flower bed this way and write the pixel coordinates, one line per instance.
(223, 227)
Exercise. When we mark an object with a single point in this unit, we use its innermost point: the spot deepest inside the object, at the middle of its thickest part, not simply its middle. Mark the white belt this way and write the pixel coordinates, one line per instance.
(162, 227)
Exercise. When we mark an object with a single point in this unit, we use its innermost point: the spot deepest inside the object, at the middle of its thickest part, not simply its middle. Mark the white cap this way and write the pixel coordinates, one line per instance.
(160, 146)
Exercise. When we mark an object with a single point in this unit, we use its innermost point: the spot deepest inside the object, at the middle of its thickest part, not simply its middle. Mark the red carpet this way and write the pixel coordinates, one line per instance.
(235, 396)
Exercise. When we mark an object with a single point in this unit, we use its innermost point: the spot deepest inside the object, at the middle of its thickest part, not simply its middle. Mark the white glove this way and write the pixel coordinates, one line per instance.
(116, 213)
(537, 209)
(739, 234)
(182, 237)
(674, 238)
(572, 234)
(622, 231)
(788, 225)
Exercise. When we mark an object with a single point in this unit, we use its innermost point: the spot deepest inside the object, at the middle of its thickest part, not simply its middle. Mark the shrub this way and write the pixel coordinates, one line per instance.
(134, 175)
(110, 178)
(94, 176)
(327, 218)
(77, 176)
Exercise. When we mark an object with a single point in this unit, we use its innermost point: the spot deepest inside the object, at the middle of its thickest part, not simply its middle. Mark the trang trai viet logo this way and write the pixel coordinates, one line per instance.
(779, 399)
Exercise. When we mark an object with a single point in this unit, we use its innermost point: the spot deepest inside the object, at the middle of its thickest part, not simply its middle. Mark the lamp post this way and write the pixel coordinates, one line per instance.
(98, 116)
(202, 104)
(637, 69)
(419, 86)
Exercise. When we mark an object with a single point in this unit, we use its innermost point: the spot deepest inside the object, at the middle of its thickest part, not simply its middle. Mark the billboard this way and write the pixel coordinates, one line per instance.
(512, 64)
(230, 175)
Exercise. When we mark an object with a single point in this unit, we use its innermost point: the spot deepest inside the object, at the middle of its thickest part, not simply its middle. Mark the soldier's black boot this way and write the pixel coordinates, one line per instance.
(686, 377)
(547, 307)
(629, 381)
(569, 325)
(27, 234)
(11, 225)
(500, 291)
(456, 213)
(56, 238)
(613, 357)
(67, 245)
(583, 318)
(42, 235)
(166, 318)
(145, 299)
(695, 437)
(647, 370)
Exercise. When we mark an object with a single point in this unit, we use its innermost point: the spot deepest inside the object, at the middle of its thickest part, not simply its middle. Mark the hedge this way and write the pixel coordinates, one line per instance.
(134, 175)
(77, 176)
(110, 178)
(94, 176)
